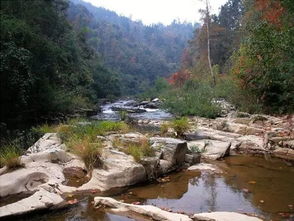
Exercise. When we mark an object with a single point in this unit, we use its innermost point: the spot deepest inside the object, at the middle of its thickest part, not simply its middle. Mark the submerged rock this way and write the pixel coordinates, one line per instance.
(205, 167)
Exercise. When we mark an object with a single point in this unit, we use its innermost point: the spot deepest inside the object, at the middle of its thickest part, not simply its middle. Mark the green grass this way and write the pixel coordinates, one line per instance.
(138, 149)
(10, 157)
(88, 151)
(180, 125)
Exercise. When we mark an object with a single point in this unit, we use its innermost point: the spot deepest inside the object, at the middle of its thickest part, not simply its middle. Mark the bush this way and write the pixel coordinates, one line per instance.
(180, 126)
(194, 98)
(10, 157)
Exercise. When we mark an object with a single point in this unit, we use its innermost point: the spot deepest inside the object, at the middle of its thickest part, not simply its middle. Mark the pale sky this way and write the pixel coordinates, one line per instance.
(158, 11)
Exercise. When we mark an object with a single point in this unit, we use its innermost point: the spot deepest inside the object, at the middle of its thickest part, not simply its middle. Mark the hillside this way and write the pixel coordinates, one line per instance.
(138, 53)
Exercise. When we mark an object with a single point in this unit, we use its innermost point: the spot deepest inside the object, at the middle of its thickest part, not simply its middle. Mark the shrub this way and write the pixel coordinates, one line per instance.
(180, 125)
(10, 157)
(194, 98)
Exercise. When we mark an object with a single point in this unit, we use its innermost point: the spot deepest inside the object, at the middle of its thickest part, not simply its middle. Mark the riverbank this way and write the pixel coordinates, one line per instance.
(49, 164)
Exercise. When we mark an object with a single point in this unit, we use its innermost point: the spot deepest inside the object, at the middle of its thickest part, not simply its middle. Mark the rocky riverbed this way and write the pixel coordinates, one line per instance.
(51, 173)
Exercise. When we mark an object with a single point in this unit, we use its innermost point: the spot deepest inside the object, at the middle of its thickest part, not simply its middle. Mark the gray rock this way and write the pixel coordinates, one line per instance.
(211, 149)
(193, 158)
(173, 150)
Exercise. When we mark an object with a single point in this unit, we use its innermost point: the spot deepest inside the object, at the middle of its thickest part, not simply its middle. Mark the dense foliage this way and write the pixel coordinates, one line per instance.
(252, 56)
(59, 56)
(46, 67)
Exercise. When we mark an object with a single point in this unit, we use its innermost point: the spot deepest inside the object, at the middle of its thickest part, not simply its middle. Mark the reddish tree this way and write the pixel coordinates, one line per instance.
(179, 78)
(272, 10)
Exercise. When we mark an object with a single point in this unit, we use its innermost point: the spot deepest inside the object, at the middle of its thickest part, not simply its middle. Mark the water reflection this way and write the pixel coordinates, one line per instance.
(249, 185)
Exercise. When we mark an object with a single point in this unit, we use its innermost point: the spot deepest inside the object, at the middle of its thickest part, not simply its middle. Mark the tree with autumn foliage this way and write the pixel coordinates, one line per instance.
(264, 64)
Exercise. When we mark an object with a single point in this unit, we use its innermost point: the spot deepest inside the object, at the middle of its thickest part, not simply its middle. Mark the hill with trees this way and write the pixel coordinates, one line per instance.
(244, 54)
(138, 53)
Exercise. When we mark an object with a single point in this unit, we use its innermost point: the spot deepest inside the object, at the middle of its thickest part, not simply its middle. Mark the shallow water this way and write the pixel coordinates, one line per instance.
(249, 185)
(151, 114)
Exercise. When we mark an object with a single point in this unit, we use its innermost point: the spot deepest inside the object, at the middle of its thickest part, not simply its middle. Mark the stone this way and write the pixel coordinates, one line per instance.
(205, 167)
(173, 150)
(224, 216)
(42, 199)
(151, 165)
(249, 144)
(119, 170)
(193, 158)
(136, 211)
(211, 149)
(284, 153)
(75, 172)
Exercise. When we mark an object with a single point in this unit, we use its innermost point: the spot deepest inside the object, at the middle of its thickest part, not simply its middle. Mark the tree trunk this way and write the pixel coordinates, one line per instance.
(208, 44)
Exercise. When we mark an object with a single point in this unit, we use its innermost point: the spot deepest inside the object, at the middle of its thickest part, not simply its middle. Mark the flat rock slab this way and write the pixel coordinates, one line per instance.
(42, 199)
(223, 216)
(211, 149)
(155, 213)
(134, 210)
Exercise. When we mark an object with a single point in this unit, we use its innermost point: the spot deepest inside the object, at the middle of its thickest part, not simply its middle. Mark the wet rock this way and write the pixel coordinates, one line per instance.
(223, 216)
(136, 211)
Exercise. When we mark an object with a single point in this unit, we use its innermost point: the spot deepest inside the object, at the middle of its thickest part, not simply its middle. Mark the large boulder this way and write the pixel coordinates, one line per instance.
(170, 149)
(211, 149)
(119, 170)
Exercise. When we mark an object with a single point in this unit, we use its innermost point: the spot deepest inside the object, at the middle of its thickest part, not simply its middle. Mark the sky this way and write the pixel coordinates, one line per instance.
(159, 11)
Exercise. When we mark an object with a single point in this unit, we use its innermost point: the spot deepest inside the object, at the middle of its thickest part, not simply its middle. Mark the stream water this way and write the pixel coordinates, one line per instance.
(248, 185)
(151, 114)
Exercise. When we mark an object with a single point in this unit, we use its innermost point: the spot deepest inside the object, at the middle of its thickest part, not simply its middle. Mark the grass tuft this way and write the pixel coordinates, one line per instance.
(138, 149)
(180, 125)
(10, 157)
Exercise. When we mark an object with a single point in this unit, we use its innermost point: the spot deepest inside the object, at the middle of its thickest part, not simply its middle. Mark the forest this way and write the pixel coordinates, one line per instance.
(59, 57)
